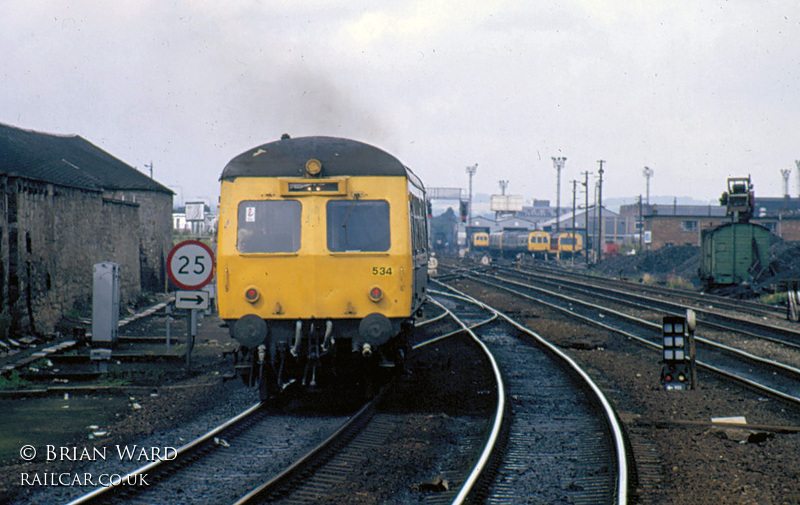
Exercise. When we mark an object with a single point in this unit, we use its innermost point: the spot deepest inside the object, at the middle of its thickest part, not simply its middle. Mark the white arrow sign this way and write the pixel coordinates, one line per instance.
(191, 300)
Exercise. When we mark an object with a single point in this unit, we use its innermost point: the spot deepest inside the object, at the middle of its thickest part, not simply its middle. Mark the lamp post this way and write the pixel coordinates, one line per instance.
(785, 172)
(648, 173)
(503, 186)
(471, 171)
(558, 164)
(797, 162)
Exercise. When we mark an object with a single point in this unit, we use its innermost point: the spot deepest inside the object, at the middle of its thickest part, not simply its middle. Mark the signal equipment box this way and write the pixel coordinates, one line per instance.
(675, 373)
(105, 304)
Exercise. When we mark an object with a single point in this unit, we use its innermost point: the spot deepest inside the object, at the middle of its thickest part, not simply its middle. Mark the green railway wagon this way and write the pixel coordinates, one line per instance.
(733, 253)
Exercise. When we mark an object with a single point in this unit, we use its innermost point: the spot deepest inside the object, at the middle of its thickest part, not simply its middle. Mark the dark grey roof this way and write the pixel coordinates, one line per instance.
(67, 160)
(686, 210)
(771, 206)
(340, 157)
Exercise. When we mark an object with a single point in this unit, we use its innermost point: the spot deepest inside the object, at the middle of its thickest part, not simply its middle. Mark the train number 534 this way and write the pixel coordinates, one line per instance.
(381, 270)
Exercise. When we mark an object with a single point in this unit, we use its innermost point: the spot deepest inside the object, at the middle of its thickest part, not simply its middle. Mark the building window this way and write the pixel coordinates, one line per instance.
(689, 226)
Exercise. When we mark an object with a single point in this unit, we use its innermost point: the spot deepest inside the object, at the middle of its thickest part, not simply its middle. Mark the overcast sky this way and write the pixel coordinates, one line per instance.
(696, 90)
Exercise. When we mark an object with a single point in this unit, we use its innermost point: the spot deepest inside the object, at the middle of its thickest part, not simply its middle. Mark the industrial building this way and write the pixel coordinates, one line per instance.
(67, 204)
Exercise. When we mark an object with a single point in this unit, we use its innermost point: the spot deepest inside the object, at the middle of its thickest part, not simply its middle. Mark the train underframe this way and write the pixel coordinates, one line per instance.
(314, 354)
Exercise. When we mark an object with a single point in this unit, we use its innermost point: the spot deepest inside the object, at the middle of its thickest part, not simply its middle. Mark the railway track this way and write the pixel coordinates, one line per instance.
(682, 296)
(729, 328)
(24, 356)
(225, 462)
(246, 460)
(328, 482)
(563, 441)
(772, 377)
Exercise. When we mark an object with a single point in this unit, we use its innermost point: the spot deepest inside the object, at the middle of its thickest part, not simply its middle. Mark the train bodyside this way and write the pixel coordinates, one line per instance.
(508, 243)
(733, 253)
(321, 258)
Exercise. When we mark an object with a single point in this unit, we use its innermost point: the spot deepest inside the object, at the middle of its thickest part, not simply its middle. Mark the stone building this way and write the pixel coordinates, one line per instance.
(65, 205)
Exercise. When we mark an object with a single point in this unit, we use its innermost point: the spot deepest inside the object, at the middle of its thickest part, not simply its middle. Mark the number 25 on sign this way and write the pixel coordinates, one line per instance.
(190, 265)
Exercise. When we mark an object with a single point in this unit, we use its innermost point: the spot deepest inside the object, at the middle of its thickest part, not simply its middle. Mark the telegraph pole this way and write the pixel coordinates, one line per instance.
(601, 241)
(558, 164)
(586, 216)
(574, 242)
(641, 224)
(150, 166)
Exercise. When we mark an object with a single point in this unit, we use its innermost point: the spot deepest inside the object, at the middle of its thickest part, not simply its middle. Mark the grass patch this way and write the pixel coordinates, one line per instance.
(774, 299)
(12, 380)
(678, 282)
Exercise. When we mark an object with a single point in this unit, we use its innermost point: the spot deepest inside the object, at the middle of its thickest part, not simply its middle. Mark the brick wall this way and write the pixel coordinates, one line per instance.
(672, 230)
(789, 229)
(676, 230)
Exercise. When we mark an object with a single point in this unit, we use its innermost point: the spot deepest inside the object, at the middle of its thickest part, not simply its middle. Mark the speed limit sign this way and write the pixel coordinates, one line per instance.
(190, 264)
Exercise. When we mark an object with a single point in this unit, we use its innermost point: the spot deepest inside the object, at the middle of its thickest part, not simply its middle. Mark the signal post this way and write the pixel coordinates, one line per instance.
(679, 368)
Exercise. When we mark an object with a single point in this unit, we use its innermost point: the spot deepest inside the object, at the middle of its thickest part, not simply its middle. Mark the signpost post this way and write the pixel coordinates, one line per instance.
(190, 266)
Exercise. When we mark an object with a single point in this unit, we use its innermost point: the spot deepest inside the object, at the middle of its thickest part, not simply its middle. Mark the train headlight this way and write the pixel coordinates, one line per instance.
(313, 167)
(375, 294)
(251, 294)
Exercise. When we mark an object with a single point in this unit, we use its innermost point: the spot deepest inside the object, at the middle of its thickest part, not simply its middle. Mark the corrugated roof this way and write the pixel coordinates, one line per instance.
(67, 160)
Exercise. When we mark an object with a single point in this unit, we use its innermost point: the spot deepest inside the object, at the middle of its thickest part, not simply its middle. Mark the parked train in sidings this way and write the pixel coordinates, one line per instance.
(322, 260)
(512, 244)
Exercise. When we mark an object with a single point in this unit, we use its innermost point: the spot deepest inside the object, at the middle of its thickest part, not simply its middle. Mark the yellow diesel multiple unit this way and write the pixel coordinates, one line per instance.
(539, 243)
(321, 259)
(480, 241)
(566, 243)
